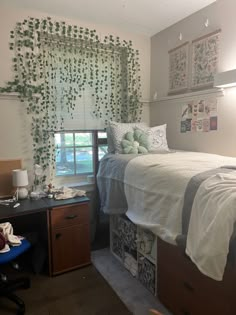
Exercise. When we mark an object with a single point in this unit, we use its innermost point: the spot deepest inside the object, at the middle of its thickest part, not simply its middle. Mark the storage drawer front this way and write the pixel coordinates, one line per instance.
(67, 216)
(183, 289)
(70, 248)
(182, 297)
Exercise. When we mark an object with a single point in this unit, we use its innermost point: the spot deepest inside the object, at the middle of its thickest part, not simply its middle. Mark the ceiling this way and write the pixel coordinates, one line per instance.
(142, 16)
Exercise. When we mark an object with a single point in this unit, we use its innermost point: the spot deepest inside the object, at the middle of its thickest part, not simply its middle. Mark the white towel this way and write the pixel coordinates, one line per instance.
(7, 230)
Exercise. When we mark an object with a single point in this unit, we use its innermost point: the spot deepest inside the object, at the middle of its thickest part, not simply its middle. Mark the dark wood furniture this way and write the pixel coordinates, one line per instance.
(184, 290)
(70, 246)
(63, 224)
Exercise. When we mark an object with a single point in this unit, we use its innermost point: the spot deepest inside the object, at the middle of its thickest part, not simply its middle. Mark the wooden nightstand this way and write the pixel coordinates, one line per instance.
(69, 237)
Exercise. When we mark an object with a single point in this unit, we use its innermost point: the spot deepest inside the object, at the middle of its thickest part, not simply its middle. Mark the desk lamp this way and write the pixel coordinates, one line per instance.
(20, 181)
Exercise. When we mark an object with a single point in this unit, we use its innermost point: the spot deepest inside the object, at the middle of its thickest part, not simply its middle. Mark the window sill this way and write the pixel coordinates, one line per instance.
(81, 185)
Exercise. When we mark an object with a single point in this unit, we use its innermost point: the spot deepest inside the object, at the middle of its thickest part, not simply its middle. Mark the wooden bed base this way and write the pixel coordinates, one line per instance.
(184, 290)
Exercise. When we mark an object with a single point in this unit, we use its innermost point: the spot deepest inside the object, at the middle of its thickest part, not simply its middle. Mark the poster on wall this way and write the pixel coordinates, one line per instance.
(178, 68)
(205, 51)
(199, 115)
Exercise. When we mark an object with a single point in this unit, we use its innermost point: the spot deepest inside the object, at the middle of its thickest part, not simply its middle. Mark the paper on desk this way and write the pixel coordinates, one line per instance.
(66, 193)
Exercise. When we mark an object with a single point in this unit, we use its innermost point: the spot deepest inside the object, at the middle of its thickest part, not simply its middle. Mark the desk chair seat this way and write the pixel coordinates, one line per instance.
(14, 252)
(7, 287)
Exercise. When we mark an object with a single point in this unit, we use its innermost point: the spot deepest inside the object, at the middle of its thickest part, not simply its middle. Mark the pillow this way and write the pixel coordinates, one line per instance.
(110, 145)
(135, 142)
(157, 138)
(116, 134)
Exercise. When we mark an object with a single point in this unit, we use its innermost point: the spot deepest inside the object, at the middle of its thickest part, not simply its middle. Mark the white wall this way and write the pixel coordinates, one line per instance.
(221, 15)
(15, 140)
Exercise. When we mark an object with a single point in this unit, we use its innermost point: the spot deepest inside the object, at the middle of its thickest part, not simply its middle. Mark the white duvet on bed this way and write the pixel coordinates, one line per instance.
(212, 224)
(155, 185)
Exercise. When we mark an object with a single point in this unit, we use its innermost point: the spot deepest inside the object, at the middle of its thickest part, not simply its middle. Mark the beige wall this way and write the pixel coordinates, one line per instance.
(221, 15)
(14, 128)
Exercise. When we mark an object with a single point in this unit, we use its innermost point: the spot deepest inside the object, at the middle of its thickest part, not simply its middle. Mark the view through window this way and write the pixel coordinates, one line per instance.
(77, 152)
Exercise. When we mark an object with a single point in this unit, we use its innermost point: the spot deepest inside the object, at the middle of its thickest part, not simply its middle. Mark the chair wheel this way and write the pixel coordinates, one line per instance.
(15, 265)
(3, 277)
(20, 303)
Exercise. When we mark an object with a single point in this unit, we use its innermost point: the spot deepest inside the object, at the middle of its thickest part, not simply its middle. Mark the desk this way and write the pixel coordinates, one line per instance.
(65, 223)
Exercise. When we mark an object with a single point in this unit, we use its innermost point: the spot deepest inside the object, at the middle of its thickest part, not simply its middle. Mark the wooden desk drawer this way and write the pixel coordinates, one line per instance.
(70, 248)
(70, 215)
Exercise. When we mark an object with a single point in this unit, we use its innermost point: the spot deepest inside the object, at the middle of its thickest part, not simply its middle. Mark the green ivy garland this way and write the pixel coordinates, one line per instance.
(45, 50)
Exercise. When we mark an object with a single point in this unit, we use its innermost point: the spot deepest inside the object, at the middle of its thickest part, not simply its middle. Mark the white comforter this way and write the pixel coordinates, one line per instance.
(212, 224)
(154, 189)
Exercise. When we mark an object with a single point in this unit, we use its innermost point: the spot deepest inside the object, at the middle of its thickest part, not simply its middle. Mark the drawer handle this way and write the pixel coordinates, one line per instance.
(71, 216)
(188, 287)
(184, 312)
(58, 235)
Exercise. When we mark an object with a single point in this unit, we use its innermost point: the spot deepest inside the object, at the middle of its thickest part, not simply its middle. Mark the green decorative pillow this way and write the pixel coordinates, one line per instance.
(135, 142)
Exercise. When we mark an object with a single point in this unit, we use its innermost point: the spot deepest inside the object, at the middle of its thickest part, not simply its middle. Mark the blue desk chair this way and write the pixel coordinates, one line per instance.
(7, 287)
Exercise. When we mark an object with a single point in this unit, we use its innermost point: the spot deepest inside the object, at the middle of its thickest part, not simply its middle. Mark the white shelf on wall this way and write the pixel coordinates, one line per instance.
(9, 96)
(13, 96)
(214, 91)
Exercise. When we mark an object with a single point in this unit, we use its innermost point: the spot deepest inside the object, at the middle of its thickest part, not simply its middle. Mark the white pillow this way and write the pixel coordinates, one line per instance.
(157, 138)
(116, 132)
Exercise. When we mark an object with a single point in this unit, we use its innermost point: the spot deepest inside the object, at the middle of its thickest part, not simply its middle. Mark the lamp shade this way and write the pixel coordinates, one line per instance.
(19, 178)
(225, 79)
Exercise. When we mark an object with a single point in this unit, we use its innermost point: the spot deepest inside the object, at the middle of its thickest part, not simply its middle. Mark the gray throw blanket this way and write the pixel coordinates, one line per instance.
(110, 181)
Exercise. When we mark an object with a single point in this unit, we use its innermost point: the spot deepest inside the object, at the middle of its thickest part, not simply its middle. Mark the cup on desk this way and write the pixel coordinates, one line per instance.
(34, 195)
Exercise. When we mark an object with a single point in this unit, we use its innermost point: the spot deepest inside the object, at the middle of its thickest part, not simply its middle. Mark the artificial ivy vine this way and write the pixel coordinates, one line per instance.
(55, 64)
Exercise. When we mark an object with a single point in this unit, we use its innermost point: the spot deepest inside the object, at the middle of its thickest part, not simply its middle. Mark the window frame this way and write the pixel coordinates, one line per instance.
(96, 143)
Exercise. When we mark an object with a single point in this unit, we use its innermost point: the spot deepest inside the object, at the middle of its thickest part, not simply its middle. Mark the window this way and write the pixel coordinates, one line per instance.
(78, 152)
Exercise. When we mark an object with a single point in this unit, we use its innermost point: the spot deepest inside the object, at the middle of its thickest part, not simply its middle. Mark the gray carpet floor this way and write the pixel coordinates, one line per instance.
(134, 295)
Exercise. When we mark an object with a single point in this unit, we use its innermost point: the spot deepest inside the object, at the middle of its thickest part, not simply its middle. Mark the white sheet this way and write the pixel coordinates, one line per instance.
(212, 224)
(155, 186)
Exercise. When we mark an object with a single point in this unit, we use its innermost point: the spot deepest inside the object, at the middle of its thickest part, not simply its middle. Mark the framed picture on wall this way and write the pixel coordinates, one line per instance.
(178, 68)
(205, 52)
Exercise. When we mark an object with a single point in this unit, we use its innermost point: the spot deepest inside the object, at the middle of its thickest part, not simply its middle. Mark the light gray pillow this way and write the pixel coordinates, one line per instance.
(157, 138)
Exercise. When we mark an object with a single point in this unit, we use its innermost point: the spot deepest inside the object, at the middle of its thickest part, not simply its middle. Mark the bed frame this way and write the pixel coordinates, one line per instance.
(184, 290)
(168, 273)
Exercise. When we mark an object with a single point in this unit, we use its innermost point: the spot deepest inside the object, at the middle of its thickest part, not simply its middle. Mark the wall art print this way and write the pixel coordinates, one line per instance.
(178, 68)
(199, 115)
(205, 51)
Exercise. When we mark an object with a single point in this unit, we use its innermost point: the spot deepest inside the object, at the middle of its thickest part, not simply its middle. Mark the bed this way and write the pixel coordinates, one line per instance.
(187, 199)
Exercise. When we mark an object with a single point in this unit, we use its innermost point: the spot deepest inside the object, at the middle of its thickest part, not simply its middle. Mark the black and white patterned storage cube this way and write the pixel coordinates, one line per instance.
(135, 248)
(128, 230)
(147, 273)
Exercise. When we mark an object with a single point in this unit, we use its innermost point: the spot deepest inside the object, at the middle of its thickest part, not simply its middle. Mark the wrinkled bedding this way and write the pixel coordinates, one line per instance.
(152, 190)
